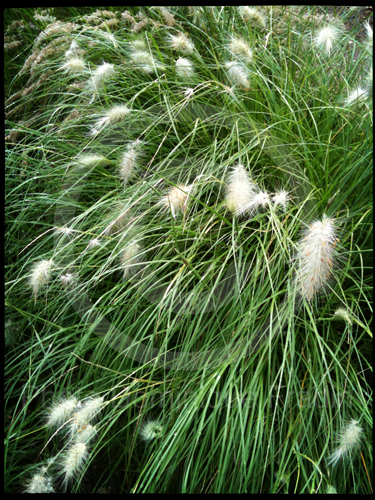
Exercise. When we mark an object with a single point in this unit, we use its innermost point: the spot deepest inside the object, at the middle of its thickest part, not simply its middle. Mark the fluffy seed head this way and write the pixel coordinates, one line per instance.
(176, 199)
(73, 50)
(86, 412)
(168, 17)
(61, 411)
(100, 75)
(188, 92)
(68, 279)
(85, 433)
(74, 65)
(60, 232)
(343, 314)
(184, 67)
(95, 242)
(241, 49)
(281, 198)
(129, 257)
(181, 42)
(138, 45)
(356, 96)
(252, 15)
(41, 482)
(111, 116)
(331, 489)
(326, 37)
(348, 442)
(129, 161)
(237, 73)
(40, 275)
(240, 190)
(368, 31)
(91, 160)
(315, 257)
(151, 430)
(73, 460)
(260, 200)
(146, 61)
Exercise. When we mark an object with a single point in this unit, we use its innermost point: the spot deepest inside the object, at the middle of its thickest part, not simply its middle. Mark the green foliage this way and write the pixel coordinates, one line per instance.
(204, 334)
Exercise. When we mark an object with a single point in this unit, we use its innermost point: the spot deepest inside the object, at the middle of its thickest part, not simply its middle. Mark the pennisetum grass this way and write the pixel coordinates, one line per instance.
(174, 181)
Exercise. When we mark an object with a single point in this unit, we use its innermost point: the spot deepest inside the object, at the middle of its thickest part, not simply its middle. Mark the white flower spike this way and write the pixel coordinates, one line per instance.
(315, 257)
(240, 190)
(348, 442)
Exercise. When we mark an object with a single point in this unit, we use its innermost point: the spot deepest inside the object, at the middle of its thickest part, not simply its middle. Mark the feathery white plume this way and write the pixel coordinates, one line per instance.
(315, 257)
(41, 482)
(241, 49)
(252, 15)
(281, 198)
(68, 279)
(151, 430)
(260, 200)
(91, 160)
(184, 67)
(113, 115)
(181, 42)
(73, 50)
(138, 45)
(100, 75)
(110, 38)
(73, 460)
(86, 412)
(130, 257)
(240, 190)
(168, 16)
(326, 37)
(188, 92)
(95, 242)
(129, 161)
(85, 433)
(343, 314)
(146, 61)
(356, 96)
(40, 275)
(74, 65)
(176, 199)
(368, 31)
(237, 73)
(61, 411)
(63, 231)
(348, 442)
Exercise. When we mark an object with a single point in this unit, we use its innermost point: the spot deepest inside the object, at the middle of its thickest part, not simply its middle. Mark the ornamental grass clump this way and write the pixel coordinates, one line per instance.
(165, 251)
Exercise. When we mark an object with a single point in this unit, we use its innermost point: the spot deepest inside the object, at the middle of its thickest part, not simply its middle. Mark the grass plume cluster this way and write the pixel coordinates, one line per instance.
(163, 166)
